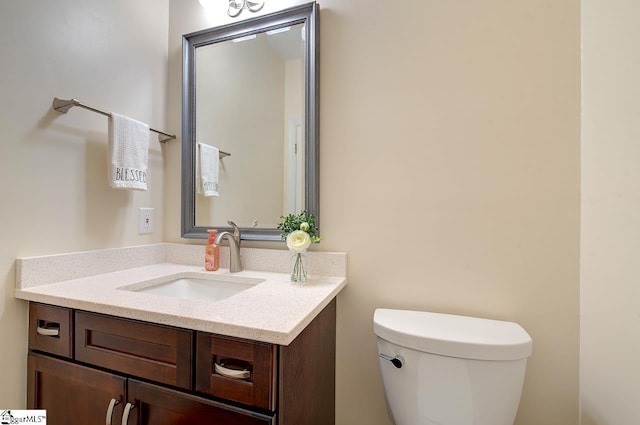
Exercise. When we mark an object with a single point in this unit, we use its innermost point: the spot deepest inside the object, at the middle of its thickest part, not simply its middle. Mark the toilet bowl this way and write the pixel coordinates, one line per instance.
(442, 369)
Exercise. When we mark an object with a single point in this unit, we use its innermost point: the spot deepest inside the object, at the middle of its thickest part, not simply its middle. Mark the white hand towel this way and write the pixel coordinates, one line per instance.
(128, 153)
(207, 170)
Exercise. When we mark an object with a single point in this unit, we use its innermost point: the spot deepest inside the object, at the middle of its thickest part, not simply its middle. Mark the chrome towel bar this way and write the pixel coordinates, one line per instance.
(63, 106)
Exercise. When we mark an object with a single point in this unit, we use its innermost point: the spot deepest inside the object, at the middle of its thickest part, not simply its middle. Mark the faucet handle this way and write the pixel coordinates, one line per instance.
(236, 230)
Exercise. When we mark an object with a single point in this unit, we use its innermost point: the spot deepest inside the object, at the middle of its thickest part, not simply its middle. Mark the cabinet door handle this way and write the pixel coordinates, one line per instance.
(48, 331)
(125, 414)
(232, 373)
(112, 404)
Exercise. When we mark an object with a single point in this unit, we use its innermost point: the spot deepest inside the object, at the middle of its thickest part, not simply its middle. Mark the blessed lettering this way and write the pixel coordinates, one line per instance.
(130, 175)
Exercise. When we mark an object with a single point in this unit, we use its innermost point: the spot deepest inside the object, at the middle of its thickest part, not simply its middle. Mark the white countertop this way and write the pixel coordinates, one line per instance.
(273, 311)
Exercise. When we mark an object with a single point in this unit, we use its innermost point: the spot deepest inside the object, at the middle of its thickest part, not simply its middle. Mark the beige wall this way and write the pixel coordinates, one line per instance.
(610, 235)
(449, 173)
(54, 193)
(449, 164)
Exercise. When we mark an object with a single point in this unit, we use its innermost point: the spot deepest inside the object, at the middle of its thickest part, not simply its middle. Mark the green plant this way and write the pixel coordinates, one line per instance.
(303, 221)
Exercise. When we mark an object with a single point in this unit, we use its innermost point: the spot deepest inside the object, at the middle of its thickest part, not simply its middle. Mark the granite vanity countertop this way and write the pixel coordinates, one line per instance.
(274, 311)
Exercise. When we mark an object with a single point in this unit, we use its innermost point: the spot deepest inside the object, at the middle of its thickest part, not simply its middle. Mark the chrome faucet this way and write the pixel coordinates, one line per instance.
(235, 263)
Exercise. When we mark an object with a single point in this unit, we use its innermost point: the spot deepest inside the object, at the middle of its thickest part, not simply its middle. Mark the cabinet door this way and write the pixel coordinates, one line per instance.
(154, 405)
(73, 394)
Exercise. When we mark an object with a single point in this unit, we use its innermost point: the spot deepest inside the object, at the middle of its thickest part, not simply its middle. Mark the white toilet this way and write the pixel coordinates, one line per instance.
(441, 369)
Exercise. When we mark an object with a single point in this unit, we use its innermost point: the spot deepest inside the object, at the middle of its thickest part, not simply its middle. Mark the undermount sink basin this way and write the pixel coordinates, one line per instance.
(214, 288)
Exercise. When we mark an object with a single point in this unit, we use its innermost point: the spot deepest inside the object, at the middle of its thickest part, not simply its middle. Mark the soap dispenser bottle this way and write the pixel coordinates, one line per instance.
(212, 252)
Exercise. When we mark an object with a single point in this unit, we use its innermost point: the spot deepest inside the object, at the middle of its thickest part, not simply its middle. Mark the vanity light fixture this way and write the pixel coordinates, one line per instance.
(236, 6)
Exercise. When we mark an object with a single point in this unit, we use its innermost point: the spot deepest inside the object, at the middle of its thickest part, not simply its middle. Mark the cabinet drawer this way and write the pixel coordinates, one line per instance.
(259, 359)
(154, 405)
(50, 329)
(155, 352)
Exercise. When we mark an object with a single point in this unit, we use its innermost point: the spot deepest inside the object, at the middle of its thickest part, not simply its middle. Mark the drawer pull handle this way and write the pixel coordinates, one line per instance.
(125, 414)
(48, 331)
(112, 404)
(232, 373)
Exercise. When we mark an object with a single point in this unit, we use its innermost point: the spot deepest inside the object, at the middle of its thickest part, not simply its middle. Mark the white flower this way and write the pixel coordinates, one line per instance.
(298, 241)
(304, 226)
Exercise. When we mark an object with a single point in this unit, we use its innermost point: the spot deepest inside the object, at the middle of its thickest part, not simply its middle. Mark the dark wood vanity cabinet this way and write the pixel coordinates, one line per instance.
(259, 360)
(86, 368)
(158, 353)
(159, 406)
(74, 394)
(71, 393)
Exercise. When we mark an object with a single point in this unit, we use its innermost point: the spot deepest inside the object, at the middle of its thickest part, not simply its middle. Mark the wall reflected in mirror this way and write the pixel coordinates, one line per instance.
(250, 103)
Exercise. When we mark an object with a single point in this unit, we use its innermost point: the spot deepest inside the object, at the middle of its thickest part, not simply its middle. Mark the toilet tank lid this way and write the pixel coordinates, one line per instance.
(454, 336)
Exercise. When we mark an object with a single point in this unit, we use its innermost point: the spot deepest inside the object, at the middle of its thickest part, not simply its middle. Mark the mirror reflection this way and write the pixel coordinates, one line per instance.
(250, 104)
(250, 91)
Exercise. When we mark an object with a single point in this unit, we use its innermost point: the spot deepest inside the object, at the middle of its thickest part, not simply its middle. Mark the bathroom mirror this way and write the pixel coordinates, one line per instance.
(251, 90)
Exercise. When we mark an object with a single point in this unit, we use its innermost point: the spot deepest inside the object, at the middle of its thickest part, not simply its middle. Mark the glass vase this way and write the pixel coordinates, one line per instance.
(299, 267)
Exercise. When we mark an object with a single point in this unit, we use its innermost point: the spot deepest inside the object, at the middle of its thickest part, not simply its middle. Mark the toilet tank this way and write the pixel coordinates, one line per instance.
(456, 370)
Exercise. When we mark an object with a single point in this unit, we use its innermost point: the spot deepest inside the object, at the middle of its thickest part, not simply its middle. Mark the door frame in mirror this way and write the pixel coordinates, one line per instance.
(307, 14)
